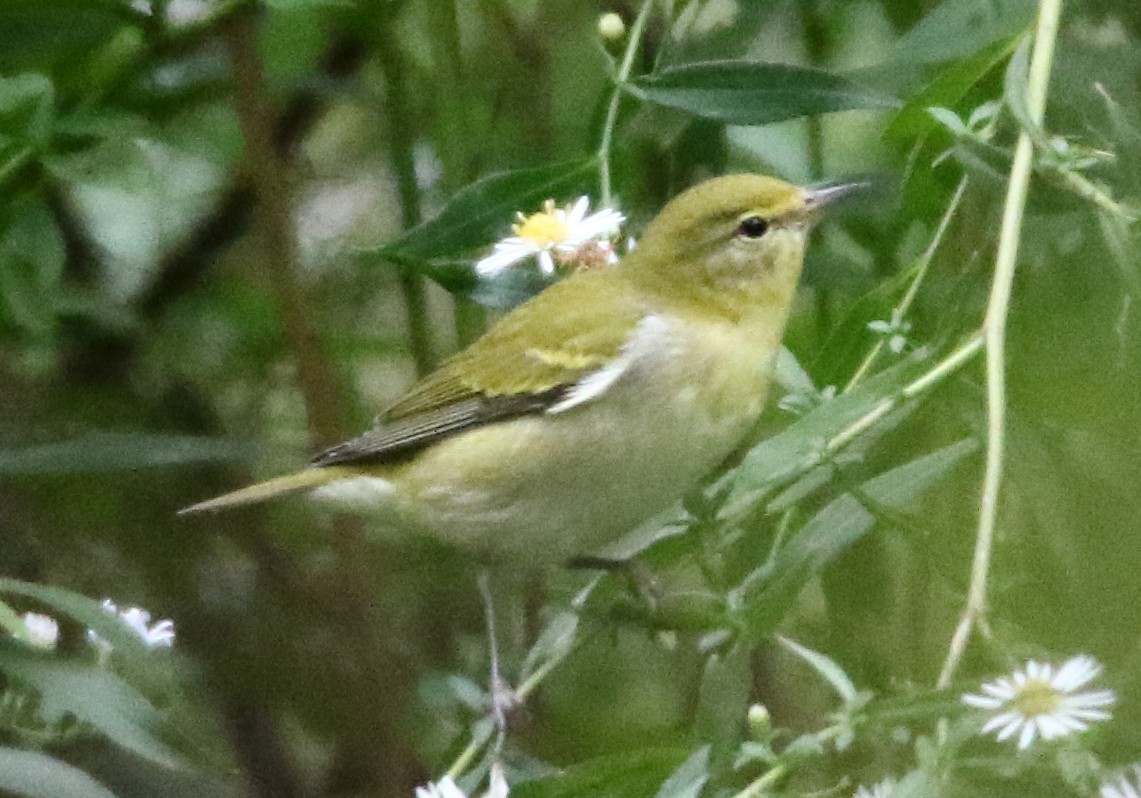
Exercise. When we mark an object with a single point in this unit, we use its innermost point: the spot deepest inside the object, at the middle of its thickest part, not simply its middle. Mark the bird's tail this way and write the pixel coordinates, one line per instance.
(279, 486)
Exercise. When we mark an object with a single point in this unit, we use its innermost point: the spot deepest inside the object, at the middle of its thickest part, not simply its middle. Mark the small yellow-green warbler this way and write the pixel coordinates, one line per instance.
(597, 403)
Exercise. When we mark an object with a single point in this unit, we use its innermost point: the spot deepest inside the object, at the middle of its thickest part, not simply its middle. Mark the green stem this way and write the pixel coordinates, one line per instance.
(636, 31)
(936, 374)
(920, 268)
(761, 785)
(994, 332)
(402, 139)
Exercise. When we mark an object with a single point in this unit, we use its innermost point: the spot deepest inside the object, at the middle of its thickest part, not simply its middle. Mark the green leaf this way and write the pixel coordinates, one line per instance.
(485, 210)
(828, 669)
(31, 263)
(31, 774)
(555, 642)
(918, 784)
(768, 592)
(689, 778)
(798, 448)
(92, 695)
(26, 107)
(11, 622)
(1016, 89)
(723, 701)
(120, 451)
(755, 93)
(947, 89)
(958, 28)
(630, 774)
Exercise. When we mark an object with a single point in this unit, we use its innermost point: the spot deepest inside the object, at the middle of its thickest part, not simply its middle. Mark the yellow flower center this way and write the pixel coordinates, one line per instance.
(1036, 698)
(543, 229)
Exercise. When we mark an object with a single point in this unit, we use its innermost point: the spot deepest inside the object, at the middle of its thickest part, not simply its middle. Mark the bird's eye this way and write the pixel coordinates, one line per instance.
(752, 227)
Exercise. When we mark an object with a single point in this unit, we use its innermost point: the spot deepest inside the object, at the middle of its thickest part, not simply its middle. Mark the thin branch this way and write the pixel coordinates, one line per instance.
(604, 145)
(994, 331)
(325, 403)
(920, 267)
(402, 140)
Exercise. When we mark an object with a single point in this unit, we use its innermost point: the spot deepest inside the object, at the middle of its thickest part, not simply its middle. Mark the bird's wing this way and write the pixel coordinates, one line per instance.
(560, 350)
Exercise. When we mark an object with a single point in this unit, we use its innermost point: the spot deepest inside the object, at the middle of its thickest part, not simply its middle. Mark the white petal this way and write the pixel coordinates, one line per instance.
(982, 702)
(596, 225)
(1027, 737)
(1097, 698)
(497, 782)
(546, 262)
(1009, 721)
(505, 254)
(1076, 672)
(578, 211)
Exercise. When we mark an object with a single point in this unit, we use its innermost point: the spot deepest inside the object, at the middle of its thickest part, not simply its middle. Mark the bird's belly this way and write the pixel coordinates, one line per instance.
(544, 488)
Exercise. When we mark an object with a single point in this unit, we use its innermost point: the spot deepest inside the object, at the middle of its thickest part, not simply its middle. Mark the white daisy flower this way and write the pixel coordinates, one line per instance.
(1039, 700)
(161, 633)
(41, 631)
(557, 236)
(1123, 786)
(883, 789)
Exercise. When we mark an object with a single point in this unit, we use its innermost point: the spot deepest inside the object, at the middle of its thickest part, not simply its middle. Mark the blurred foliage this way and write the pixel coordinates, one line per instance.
(231, 231)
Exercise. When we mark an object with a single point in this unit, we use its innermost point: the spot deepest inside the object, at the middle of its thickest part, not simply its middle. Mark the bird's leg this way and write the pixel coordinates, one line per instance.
(503, 698)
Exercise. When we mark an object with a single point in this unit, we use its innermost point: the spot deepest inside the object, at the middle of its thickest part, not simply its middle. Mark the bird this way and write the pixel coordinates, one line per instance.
(597, 403)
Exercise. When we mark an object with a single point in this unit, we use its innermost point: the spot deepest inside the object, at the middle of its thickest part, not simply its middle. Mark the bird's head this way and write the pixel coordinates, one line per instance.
(733, 240)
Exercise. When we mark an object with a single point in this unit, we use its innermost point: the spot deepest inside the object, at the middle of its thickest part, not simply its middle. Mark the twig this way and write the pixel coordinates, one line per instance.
(994, 331)
(325, 403)
(402, 140)
(620, 79)
(937, 373)
(920, 267)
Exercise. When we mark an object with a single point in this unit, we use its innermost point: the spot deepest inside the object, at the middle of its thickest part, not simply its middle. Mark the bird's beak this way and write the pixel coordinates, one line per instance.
(817, 198)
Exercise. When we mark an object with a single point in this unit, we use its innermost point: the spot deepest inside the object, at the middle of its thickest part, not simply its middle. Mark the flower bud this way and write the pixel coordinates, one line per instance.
(611, 27)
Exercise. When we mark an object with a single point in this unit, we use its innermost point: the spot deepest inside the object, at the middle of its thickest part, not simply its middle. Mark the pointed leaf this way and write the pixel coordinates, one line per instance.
(828, 669)
(630, 774)
(948, 89)
(30, 774)
(689, 778)
(754, 92)
(958, 28)
(555, 642)
(485, 210)
(119, 451)
(798, 448)
(92, 695)
(768, 592)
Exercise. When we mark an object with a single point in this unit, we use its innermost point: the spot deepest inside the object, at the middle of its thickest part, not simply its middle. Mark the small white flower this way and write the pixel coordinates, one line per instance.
(40, 631)
(800, 402)
(557, 235)
(444, 788)
(1123, 786)
(895, 330)
(497, 782)
(882, 789)
(1037, 700)
(159, 634)
(447, 788)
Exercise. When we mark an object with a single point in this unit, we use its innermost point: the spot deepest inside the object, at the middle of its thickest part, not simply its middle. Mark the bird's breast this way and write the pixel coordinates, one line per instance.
(551, 486)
